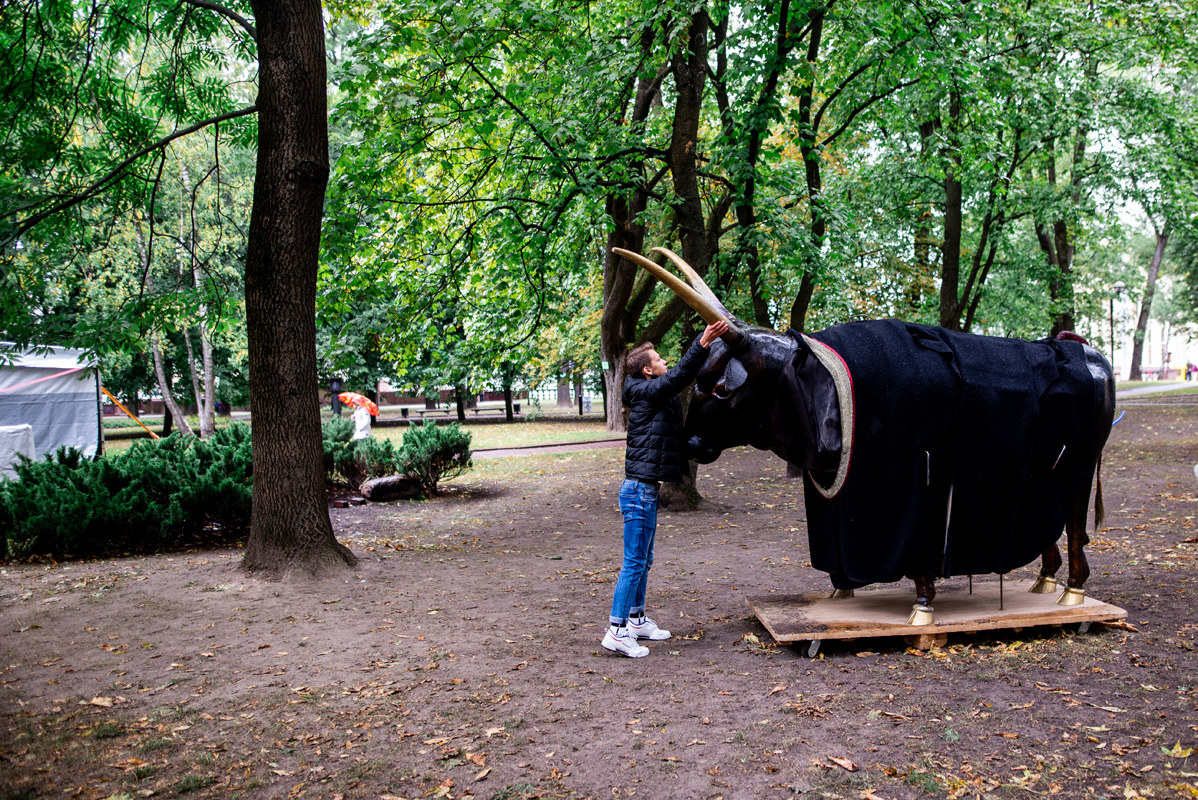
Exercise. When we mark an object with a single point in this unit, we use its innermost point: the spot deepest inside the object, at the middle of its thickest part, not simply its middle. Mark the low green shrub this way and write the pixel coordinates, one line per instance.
(335, 434)
(355, 460)
(150, 495)
(358, 460)
(432, 453)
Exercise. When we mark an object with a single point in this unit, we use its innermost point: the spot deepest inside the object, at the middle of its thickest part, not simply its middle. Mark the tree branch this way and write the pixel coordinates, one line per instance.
(228, 13)
(91, 191)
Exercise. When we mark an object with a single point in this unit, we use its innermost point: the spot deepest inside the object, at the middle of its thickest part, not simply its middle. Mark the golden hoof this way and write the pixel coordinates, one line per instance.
(840, 594)
(1044, 585)
(1072, 597)
(920, 615)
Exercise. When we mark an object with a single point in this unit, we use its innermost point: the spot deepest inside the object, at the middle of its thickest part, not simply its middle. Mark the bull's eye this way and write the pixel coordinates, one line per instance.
(721, 390)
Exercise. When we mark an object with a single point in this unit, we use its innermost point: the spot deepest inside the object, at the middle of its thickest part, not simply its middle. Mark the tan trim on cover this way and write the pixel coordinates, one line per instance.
(844, 394)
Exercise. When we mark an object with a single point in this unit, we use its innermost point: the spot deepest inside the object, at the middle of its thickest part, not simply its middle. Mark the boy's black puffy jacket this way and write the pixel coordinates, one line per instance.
(656, 450)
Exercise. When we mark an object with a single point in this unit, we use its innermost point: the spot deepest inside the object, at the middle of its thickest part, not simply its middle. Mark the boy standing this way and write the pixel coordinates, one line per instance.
(655, 453)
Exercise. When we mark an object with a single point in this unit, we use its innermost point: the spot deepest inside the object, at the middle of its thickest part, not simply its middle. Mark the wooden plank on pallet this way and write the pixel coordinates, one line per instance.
(884, 612)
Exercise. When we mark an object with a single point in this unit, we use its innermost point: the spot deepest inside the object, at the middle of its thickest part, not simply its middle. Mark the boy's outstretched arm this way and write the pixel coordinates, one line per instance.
(714, 331)
(687, 368)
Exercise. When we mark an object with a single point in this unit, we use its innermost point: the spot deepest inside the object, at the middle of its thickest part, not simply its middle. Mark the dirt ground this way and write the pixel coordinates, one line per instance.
(462, 658)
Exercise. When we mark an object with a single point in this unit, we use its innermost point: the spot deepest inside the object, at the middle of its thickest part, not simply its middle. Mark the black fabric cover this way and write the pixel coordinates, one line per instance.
(655, 449)
(935, 409)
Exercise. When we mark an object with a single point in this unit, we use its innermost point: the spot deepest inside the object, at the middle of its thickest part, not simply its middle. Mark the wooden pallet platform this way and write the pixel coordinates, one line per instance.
(884, 612)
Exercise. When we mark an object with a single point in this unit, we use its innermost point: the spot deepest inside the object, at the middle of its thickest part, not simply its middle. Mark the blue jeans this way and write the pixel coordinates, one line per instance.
(638, 503)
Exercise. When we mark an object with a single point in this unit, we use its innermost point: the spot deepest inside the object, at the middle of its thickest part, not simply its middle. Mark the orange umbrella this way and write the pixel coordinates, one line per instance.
(355, 399)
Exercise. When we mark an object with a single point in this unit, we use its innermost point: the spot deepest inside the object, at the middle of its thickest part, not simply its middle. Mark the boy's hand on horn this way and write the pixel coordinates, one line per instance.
(714, 331)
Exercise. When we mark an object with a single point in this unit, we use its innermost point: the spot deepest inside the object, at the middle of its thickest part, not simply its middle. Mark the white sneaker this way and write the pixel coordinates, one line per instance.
(619, 640)
(647, 629)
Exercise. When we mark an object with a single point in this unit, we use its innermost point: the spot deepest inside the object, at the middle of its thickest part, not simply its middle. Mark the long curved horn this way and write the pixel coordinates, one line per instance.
(710, 312)
(694, 278)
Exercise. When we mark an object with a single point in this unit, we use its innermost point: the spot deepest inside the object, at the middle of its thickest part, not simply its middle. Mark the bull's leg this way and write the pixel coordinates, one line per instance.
(841, 594)
(1079, 567)
(925, 593)
(1050, 562)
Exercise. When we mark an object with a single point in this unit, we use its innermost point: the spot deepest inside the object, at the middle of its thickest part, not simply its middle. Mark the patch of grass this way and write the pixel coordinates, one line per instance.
(143, 772)
(204, 759)
(513, 723)
(150, 745)
(107, 730)
(924, 781)
(193, 783)
(514, 791)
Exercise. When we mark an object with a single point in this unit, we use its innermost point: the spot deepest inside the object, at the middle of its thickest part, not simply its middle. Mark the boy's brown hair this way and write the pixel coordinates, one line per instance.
(637, 359)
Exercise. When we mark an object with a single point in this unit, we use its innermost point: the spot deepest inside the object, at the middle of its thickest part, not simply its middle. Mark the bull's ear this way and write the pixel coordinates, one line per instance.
(735, 375)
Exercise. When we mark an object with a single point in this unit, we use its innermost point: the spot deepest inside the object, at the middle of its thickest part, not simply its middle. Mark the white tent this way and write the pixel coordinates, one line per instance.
(56, 394)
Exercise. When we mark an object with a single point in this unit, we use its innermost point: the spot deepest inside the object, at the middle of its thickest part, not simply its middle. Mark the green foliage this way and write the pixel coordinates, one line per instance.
(147, 496)
(432, 453)
(334, 435)
(358, 460)
(355, 460)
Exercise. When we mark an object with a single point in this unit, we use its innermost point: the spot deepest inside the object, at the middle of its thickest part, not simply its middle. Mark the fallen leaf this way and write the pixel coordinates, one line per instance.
(492, 731)
(695, 741)
(1009, 735)
(103, 702)
(482, 775)
(280, 772)
(671, 758)
(863, 654)
(776, 689)
(1178, 751)
(843, 763)
(440, 740)
(1022, 705)
(27, 628)
(477, 759)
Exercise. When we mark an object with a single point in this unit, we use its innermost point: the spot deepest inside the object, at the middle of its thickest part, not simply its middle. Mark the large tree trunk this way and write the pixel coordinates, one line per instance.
(815, 182)
(950, 261)
(290, 531)
(617, 326)
(1154, 268)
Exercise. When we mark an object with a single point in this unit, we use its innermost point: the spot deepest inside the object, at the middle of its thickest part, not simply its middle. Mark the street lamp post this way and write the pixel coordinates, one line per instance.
(1119, 288)
(334, 388)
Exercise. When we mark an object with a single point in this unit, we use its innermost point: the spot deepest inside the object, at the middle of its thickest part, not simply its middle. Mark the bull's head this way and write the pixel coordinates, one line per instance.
(737, 387)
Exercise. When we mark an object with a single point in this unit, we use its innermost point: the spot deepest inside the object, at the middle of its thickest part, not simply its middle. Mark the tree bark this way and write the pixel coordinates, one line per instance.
(1154, 268)
(563, 391)
(950, 261)
(290, 530)
(811, 165)
(1060, 253)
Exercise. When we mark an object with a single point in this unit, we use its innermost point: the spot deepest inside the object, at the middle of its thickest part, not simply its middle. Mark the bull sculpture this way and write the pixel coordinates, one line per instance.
(925, 453)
